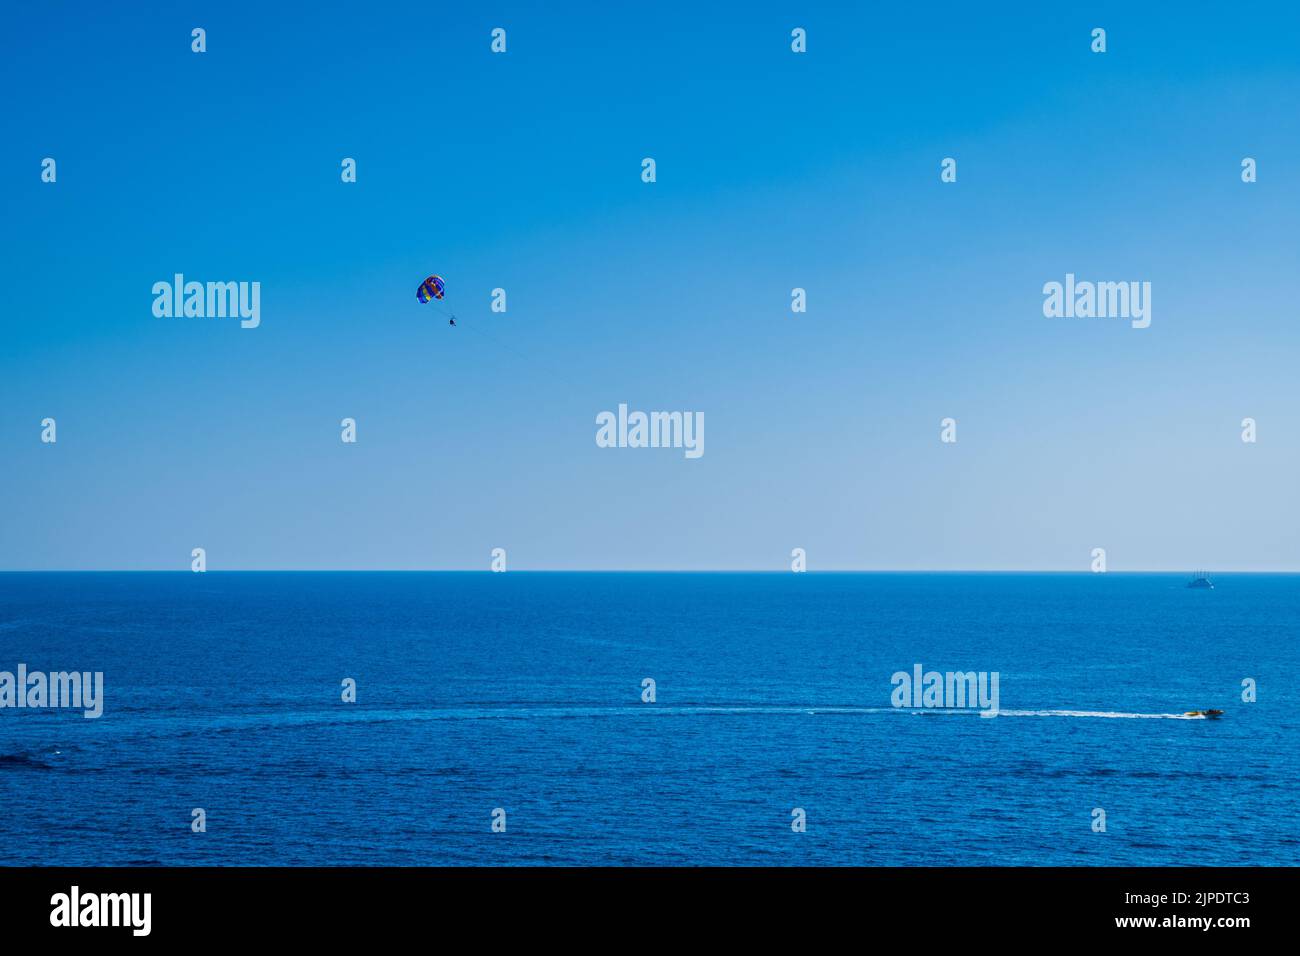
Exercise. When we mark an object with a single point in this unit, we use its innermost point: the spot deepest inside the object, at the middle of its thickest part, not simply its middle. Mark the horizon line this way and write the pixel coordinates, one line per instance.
(636, 571)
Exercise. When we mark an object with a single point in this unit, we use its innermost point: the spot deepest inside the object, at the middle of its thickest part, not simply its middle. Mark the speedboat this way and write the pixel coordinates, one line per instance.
(1204, 713)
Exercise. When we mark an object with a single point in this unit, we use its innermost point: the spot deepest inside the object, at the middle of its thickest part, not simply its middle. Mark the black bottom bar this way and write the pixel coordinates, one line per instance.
(727, 905)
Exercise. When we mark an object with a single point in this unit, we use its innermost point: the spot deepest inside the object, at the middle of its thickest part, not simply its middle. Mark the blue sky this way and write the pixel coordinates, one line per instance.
(775, 170)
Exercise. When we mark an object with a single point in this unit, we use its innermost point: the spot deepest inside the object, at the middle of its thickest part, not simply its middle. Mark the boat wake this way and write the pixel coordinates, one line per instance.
(261, 720)
(1098, 713)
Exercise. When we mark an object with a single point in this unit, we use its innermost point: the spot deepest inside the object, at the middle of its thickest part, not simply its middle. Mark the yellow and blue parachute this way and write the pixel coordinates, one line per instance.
(431, 288)
(434, 288)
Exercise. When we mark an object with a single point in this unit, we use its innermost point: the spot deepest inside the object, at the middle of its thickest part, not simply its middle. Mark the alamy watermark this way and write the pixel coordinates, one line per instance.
(73, 689)
(653, 430)
(1103, 300)
(952, 690)
(76, 908)
(209, 300)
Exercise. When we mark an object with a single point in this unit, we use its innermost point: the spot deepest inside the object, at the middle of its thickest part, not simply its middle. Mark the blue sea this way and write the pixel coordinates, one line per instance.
(523, 691)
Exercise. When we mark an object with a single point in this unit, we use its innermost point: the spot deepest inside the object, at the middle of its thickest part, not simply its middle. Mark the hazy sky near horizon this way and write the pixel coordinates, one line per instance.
(775, 170)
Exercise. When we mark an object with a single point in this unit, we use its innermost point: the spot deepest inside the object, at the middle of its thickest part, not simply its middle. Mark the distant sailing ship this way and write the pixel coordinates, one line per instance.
(1201, 582)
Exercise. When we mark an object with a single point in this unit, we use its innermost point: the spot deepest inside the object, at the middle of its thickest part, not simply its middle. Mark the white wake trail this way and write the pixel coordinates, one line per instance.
(1097, 713)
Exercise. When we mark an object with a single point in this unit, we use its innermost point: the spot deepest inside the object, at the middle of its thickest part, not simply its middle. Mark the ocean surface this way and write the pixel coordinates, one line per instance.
(522, 691)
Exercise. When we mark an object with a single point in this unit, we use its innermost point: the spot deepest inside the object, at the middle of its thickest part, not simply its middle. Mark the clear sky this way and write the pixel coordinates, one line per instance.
(775, 170)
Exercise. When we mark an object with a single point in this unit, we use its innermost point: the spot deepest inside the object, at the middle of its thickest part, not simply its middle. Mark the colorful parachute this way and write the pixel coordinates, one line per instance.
(431, 288)
(434, 288)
